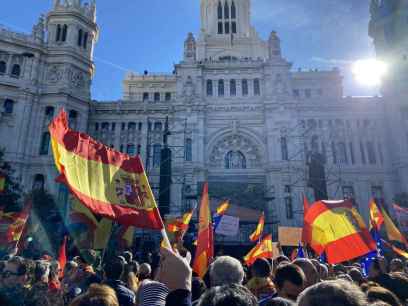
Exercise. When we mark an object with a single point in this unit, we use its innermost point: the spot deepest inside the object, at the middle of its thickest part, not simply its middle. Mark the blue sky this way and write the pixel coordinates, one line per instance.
(149, 34)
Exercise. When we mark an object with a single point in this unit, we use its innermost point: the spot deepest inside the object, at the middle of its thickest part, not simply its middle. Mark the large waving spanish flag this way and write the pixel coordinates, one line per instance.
(109, 183)
(263, 249)
(256, 235)
(340, 230)
(205, 240)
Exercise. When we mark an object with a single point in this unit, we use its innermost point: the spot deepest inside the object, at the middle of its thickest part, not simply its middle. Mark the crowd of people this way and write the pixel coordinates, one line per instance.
(86, 280)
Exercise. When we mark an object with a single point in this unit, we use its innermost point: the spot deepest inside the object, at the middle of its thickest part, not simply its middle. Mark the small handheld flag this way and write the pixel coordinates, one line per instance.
(263, 249)
(256, 235)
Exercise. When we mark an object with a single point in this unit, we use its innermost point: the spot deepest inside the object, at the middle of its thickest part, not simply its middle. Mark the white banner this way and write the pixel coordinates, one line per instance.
(228, 226)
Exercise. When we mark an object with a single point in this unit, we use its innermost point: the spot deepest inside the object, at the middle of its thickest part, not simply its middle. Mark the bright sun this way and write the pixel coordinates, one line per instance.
(369, 72)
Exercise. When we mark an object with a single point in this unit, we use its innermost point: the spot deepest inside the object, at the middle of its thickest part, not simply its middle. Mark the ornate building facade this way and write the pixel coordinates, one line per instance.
(238, 115)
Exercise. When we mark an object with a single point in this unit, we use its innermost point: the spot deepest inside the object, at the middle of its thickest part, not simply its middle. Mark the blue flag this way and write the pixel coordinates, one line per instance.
(300, 253)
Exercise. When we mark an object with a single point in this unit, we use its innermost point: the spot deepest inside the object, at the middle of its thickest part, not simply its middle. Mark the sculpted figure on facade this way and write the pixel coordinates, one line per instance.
(189, 90)
(54, 74)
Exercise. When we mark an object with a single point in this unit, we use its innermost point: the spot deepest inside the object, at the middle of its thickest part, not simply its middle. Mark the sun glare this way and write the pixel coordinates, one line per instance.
(369, 72)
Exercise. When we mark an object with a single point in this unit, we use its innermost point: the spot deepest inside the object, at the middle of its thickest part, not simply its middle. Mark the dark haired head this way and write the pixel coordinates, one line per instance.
(114, 268)
(236, 295)
(261, 268)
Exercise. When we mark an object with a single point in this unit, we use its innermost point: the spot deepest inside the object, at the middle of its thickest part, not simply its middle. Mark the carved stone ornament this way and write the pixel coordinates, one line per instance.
(54, 74)
(237, 147)
(189, 90)
(75, 78)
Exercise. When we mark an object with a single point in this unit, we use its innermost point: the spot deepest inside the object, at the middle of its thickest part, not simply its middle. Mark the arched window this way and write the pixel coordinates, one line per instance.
(189, 150)
(257, 87)
(3, 67)
(8, 106)
(244, 87)
(131, 149)
(220, 88)
(16, 71)
(58, 35)
(342, 153)
(64, 32)
(39, 182)
(45, 143)
(235, 160)
(85, 40)
(132, 126)
(233, 10)
(156, 154)
(226, 10)
(372, 159)
(80, 33)
(158, 126)
(209, 88)
(219, 10)
(233, 88)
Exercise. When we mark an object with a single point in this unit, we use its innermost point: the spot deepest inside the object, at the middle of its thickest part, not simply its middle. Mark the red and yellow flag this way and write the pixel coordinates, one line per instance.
(256, 235)
(2, 182)
(205, 239)
(62, 256)
(338, 228)
(376, 217)
(16, 229)
(263, 249)
(392, 230)
(126, 234)
(222, 208)
(395, 249)
(111, 184)
(180, 224)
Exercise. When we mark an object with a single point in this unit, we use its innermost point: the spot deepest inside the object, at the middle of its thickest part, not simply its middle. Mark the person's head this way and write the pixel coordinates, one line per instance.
(339, 269)
(289, 281)
(279, 260)
(333, 293)
(356, 276)
(345, 277)
(324, 272)
(375, 294)
(396, 265)
(261, 268)
(70, 269)
(312, 276)
(15, 272)
(128, 256)
(229, 295)
(87, 258)
(226, 270)
(97, 295)
(145, 271)
(114, 268)
(376, 268)
(41, 271)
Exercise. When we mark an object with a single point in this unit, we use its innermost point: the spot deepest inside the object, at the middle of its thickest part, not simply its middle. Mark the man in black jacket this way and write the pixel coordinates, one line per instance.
(113, 271)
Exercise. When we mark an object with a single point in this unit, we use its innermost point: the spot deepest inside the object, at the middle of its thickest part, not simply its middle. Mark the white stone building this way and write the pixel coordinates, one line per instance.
(240, 117)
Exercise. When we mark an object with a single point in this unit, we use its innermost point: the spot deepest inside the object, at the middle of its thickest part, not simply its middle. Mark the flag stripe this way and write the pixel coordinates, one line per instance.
(349, 247)
(124, 215)
(83, 145)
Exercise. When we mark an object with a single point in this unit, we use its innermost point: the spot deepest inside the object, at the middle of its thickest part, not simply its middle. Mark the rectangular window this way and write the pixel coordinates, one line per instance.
(351, 147)
(296, 93)
(233, 88)
(308, 93)
(362, 151)
(371, 153)
(113, 126)
(209, 88)
(257, 87)
(289, 207)
(284, 149)
(123, 126)
(167, 96)
(244, 87)
(227, 28)
(96, 126)
(220, 28)
(140, 126)
(157, 97)
(145, 96)
(234, 27)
